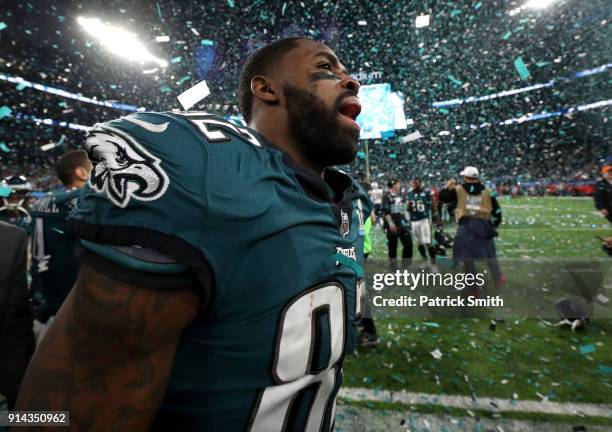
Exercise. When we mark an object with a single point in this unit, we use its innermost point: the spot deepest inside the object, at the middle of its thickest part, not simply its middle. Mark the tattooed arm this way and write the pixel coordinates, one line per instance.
(108, 354)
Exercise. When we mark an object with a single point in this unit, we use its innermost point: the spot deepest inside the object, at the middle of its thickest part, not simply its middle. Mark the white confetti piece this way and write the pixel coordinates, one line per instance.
(437, 354)
(411, 137)
(422, 21)
(193, 95)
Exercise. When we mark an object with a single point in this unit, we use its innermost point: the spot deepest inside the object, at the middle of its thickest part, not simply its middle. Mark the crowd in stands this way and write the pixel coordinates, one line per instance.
(468, 49)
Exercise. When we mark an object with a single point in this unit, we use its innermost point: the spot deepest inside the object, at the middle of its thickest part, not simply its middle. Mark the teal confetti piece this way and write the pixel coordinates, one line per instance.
(62, 104)
(542, 64)
(61, 18)
(444, 110)
(61, 141)
(159, 10)
(398, 378)
(477, 5)
(182, 80)
(522, 70)
(604, 369)
(392, 156)
(5, 191)
(519, 29)
(20, 86)
(454, 80)
(284, 7)
(165, 89)
(176, 60)
(506, 35)
(361, 155)
(524, 20)
(4, 148)
(206, 42)
(431, 324)
(587, 349)
(230, 3)
(2, 26)
(455, 12)
(5, 111)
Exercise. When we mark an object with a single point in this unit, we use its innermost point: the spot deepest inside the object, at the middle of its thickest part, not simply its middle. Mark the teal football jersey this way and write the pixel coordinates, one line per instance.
(55, 265)
(420, 204)
(285, 250)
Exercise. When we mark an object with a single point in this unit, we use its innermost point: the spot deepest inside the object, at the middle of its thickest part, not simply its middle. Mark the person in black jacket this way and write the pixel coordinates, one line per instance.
(603, 193)
(478, 214)
(16, 318)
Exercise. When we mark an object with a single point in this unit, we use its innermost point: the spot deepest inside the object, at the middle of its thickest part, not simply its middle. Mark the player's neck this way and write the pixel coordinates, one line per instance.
(279, 137)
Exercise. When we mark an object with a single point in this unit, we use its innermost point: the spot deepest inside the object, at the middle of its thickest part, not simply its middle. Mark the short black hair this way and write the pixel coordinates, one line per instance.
(392, 181)
(259, 63)
(69, 162)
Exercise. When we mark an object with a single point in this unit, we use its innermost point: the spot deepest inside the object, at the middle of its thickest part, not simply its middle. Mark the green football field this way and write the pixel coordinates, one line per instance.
(522, 358)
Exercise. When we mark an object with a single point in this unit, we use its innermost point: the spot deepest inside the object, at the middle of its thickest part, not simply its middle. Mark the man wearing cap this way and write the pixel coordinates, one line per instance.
(478, 215)
(603, 192)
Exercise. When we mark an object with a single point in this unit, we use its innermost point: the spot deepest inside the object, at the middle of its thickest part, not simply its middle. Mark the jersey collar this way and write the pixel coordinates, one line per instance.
(335, 187)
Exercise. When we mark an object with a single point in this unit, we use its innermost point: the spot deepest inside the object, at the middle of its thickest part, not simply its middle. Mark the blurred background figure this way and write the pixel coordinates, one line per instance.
(368, 336)
(395, 223)
(14, 201)
(16, 335)
(376, 196)
(603, 192)
(421, 207)
(450, 206)
(55, 264)
(478, 214)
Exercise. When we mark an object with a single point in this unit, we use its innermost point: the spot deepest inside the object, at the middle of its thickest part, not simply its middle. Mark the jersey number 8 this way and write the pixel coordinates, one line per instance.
(293, 366)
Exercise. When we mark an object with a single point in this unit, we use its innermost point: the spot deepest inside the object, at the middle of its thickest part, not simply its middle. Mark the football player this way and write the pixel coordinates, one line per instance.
(221, 262)
(376, 197)
(421, 207)
(55, 265)
(14, 207)
(395, 223)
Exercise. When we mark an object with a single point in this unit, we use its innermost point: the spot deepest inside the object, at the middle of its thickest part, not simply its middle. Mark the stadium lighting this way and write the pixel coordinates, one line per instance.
(532, 4)
(118, 41)
(538, 4)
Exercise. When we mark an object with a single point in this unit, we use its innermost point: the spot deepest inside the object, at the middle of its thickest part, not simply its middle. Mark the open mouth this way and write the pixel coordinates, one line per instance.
(350, 108)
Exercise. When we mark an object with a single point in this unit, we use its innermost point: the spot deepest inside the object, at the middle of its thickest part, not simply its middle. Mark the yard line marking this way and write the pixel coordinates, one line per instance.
(483, 403)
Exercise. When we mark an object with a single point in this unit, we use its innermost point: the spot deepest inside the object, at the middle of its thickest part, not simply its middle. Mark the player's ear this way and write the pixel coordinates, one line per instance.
(263, 88)
(81, 173)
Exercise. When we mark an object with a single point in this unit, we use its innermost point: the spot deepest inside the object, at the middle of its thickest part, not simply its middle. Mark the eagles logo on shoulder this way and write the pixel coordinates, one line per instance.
(123, 169)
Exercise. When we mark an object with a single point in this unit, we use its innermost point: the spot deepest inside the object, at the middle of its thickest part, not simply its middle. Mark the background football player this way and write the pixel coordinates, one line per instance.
(55, 264)
(14, 207)
(220, 264)
(395, 223)
(421, 207)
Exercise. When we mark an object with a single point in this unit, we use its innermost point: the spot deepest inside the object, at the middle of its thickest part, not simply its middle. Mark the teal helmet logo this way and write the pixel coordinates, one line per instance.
(123, 169)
